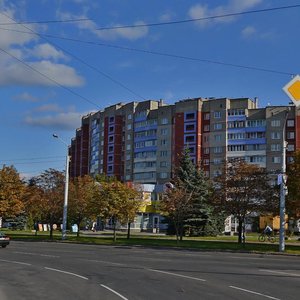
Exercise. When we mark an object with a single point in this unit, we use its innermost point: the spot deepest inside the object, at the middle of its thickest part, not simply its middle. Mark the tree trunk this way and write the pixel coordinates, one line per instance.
(243, 235)
(78, 226)
(181, 231)
(115, 233)
(128, 231)
(51, 231)
(240, 229)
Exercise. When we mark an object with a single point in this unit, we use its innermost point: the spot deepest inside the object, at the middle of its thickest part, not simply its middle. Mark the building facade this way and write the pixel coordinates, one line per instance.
(141, 141)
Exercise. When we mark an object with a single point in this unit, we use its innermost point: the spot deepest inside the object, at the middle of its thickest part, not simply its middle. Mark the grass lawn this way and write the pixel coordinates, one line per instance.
(223, 243)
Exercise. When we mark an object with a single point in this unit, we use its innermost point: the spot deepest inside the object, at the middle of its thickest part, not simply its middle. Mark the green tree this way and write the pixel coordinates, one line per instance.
(243, 189)
(176, 204)
(116, 201)
(293, 184)
(81, 194)
(195, 184)
(51, 185)
(12, 190)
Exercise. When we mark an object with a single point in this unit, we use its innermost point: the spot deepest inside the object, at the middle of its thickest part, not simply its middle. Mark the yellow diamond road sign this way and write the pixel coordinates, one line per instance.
(293, 90)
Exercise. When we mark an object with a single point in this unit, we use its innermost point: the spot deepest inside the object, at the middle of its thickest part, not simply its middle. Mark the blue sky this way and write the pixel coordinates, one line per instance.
(49, 80)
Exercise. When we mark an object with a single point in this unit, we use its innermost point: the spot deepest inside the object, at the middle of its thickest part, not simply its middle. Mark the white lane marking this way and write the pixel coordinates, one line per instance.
(280, 272)
(65, 272)
(35, 254)
(178, 275)
(104, 262)
(252, 292)
(106, 287)
(15, 262)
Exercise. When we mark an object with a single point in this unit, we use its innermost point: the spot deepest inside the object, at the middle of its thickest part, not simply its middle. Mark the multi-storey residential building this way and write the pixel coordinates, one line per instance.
(141, 141)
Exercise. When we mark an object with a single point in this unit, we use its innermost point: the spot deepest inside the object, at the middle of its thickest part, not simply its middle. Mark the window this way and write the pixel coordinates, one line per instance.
(164, 121)
(111, 119)
(128, 157)
(217, 126)
(206, 128)
(290, 147)
(190, 116)
(206, 116)
(129, 137)
(291, 135)
(163, 164)
(163, 142)
(191, 150)
(111, 129)
(290, 123)
(205, 161)
(111, 149)
(206, 150)
(110, 168)
(129, 117)
(217, 161)
(128, 147)
(164, 131)
(111, 139)
(276, 159)
(275, 147)
(217, 149)
(163, 175)
(206, 138)
(128, 126)
(275, 123)
(217, 137)
(217, 114)
(190, 139)
(275, 135)
(163, 153)
(189, 127)
(110, 158)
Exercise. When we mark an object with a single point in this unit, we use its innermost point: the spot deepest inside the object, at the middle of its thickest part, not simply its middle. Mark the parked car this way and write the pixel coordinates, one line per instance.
(4, 239)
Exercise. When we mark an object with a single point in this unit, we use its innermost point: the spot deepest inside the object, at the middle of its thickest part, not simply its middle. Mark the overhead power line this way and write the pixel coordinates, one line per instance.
(75, 57)
(47, 21)
(177, 56)
(31, 158)
(203, 18)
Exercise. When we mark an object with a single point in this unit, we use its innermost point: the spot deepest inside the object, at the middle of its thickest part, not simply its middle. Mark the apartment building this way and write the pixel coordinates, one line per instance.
(141, 141)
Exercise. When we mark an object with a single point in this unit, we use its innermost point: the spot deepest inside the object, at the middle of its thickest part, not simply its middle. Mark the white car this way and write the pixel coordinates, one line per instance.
(4, 239)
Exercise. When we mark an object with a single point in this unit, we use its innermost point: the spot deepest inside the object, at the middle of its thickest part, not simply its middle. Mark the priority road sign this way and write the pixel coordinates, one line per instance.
(293, 90)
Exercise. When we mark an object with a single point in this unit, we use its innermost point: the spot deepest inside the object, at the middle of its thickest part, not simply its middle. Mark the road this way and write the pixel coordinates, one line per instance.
(40, 270)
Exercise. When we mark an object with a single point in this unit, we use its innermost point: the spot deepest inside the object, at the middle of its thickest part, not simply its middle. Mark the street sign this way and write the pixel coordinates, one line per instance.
(293, 90)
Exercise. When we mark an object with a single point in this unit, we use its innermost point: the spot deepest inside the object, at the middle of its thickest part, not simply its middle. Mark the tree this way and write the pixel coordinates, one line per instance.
(12, 189)
(293, 184)
(243, 189)
(195, 184)
(176, 204)
(81, 193)
(51, 186)
(117, 201)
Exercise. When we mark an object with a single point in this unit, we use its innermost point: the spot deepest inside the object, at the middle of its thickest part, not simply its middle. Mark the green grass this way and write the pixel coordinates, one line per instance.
(221, 243)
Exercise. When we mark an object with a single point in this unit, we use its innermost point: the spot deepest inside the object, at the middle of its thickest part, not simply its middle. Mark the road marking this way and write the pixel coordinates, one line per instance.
(106, 287)
(65, 272)
(36, 254)
(252, 292)
(15, 262)
(280, 272)
(178, 275)
(104, 262)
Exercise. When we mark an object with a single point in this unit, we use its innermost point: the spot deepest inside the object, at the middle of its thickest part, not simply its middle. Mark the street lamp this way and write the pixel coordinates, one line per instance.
(283, 188)
(65, 210)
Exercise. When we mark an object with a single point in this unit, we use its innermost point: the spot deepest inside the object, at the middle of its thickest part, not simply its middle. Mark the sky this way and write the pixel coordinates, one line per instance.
(62, 59)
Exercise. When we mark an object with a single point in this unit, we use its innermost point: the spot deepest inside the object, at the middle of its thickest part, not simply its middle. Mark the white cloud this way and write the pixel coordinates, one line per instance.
(20, 46)
(15, 73)
(47, 51)
(26, 97)
(48, 108)
(248, 31)
(60, 121)
(202, 11)
(132, 33)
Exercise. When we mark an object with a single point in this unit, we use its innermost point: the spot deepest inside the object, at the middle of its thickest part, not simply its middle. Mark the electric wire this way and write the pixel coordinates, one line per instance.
(176, 56)
(202, 19)
(48, 21)
(80, 60)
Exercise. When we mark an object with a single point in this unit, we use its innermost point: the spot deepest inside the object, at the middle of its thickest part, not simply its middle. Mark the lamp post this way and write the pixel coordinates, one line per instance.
(283, 188)
(65, 208)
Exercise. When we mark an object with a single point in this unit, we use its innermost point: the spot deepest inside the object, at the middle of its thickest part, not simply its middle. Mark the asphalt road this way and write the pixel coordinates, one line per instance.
(39, 270)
